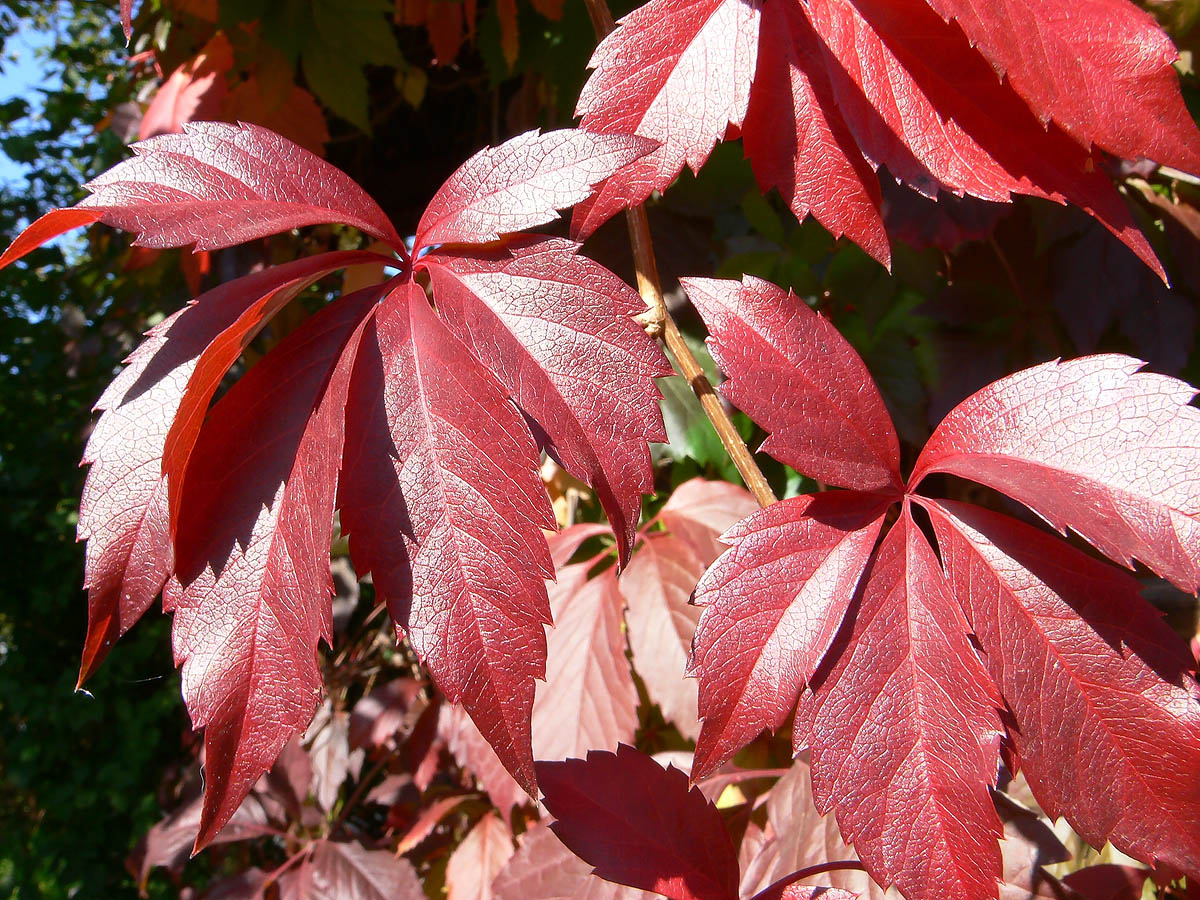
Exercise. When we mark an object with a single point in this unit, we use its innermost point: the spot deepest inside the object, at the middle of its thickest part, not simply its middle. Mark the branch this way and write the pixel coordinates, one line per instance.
(658, 322)
(775, 890)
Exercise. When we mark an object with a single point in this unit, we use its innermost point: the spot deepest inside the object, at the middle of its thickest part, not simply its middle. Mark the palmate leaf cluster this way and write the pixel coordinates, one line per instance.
(914, 629)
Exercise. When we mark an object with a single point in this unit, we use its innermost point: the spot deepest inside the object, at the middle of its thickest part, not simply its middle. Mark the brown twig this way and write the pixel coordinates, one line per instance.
(658, 322)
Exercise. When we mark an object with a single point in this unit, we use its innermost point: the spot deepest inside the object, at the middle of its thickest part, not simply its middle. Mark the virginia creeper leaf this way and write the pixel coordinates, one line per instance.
(557, 330)
(127, 19)
(792, 372)
(588, 700)
(1059, 56)
(1091, 444)
(637, 823)
(677, 71)
(214, 186)
(443, 504)
(810, 154)
(348, 871)
(544, 869)
(773, 604)
(478, 859)
(904, 728)
(657, 586)
(698, 512)
(921, 101)
(252, 584)
(473, 753)
(124, 513)
(1055, 623)
(522, 183)
(195, 90)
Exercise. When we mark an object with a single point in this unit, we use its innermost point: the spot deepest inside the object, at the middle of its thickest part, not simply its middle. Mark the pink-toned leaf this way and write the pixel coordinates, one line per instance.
(1088, 670)
(797, 140)
(427, 821)
(377, 716)
(170, 841)
(557, 329)
(805, 892)
(1093, 445)
(247, 885)
(657, 586)
(194, 91)
(773, 604)
(564, 544)
(799, 837)
(521, 184)
(287, 783)
(1029, 844)
(904, 727)
(588, 700)
(698, 512)
(1102, 69)
(472, 752)
(792, 372)
(124, 512)
(478, 859)
(544, 869)
(677, 71)
(349, 871)
(328, 741)
(217, 185)
(251, 593)
(442, 501)
(638, 824)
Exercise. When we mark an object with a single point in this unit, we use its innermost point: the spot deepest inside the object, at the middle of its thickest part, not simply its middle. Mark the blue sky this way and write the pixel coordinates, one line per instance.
(21, 74)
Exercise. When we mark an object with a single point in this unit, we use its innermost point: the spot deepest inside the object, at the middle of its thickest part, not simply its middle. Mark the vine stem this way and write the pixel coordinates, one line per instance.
(776, 888)
(658, 322)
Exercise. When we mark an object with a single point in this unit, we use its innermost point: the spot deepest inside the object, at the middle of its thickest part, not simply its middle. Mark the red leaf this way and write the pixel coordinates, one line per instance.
(904, 727)
(478, 859)
(252, 585)
(1054, 623)
(557, 330)
(588, 700)
(383, 712)
(657, 586)
(809, 153)
(1060, 57)
(296, 115)
(1108, 882)
(348, 871)
(773, 604)
(127, 19)
(543, 869)
(196, 90)
(676, 71)
(215, 185)
(520, 184)
(427, 821)
(921, 101)
(566, 543)
(1092, 445)
(123, 513)
(257, 298)
(471, 750)
(443, 504)
(792, 372)
(638, 824)
(698, 512)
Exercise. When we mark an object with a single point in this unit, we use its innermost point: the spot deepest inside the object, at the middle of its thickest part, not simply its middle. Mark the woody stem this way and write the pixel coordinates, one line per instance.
(660, 321)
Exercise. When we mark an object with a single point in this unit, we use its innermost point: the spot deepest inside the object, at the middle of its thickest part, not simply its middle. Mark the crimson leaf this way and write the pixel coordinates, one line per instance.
(638, 824)
(252, 538)
(438, 484)
(900, 712)
(901, 84)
